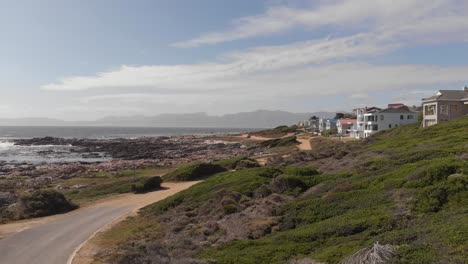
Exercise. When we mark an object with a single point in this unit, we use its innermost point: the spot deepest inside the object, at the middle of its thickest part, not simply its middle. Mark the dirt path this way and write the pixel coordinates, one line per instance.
(54, 240)
(304, 144)
(259, 138)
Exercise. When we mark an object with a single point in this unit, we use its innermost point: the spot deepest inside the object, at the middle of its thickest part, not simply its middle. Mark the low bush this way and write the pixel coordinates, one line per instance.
(43, 203)
(329, 132)
(193, 172)
(288, 183)
(147, 185)
(247, 164)
(301, 171)
(279, 142)
(229, 164)
(237, 163)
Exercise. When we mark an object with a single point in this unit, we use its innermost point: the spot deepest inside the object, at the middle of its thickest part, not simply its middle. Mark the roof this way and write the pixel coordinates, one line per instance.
(332, 120)
(400, 109)
(456, 95)
(396, 105)
(396, 110)
(347, 120)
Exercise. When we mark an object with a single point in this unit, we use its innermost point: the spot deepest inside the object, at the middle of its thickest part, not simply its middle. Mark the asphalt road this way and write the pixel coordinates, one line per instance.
(55, 241)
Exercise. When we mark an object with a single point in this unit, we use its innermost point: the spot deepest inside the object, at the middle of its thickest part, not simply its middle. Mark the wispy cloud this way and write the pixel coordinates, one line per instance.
(399, 17)
(325, 66)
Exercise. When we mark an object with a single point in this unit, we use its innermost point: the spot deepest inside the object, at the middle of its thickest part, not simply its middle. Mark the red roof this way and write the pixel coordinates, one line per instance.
(347, 120)
(397, 105)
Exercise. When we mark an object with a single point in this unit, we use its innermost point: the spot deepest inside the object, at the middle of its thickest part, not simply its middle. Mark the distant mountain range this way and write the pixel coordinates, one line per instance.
(256, 119)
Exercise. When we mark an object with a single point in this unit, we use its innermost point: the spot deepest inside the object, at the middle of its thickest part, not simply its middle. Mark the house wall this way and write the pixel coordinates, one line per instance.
(448, 110)
(359, 126)
(429, 114)
(386, 121)
(442, 111)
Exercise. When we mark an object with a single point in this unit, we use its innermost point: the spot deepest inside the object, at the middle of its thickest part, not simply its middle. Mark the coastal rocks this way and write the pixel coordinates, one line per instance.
(160, 148)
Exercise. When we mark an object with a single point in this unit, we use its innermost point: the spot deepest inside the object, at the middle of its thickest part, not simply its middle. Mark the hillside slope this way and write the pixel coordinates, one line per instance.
(406, 187)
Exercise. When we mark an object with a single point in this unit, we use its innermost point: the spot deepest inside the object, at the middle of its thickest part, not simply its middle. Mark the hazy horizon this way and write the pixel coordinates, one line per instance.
(85, 60)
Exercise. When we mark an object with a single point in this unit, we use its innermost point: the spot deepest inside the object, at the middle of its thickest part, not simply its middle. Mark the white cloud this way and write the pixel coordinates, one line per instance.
(379, 16)
(263, 76)
(353, 79)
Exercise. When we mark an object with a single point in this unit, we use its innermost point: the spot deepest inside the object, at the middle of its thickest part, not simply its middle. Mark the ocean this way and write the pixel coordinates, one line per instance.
(53, 154)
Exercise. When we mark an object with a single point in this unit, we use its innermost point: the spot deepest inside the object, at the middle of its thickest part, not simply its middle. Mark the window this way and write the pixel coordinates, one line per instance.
(402, 117)
(389, 125)
(444, 109)
(381, 117)
(454, 108)
(410, 117)
(429, 110)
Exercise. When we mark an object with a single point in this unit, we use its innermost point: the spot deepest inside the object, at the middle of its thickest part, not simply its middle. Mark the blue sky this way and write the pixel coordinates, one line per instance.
(86, 59)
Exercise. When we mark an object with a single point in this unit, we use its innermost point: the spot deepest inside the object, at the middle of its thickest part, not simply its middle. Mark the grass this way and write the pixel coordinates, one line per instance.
(406, 187)
(353, 210)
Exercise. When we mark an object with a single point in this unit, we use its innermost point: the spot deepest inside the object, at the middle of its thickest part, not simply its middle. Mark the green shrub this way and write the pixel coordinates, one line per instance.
(229, 164)
(270, 172)
(279, 142)
(287, 183)
(431, 199)
(410, 254)
(43, 203)
(147, 185)
(301, 171)
(193, 172)
(329, 132)
(247, 164)
(237, 163)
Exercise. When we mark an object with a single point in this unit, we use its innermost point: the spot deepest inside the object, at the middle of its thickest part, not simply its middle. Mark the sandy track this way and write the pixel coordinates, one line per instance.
(53, 240)
(304, 144)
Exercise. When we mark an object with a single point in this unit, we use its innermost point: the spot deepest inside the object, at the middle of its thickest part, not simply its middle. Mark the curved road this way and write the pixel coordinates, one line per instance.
(55, 241)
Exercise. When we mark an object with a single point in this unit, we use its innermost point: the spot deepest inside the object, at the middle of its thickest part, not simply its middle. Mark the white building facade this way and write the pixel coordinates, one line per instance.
(388, 118)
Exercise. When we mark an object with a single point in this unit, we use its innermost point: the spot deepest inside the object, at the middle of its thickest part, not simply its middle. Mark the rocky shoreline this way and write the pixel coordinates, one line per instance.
(124, 153)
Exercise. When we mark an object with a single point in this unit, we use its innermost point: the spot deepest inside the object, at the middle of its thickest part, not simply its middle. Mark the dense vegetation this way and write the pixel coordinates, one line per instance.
(193, 172)
(406, 187)
(279, 142)
(276, 132)
(237, 163)
(147, 184)
(43, 203)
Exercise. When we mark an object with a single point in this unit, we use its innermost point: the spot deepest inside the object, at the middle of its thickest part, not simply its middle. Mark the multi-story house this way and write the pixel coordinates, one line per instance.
(357, 130)
(344, 126)
(331, 124)
(314, 124)
(393, 116)
(445, 105)
(322, 124)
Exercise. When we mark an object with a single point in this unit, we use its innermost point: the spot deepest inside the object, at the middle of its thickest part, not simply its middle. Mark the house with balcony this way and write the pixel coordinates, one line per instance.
(445, 105)
(344, 126)
(393, 116)
(357, 130)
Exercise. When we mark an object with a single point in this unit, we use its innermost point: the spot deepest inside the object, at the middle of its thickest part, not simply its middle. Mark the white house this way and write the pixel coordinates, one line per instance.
(357, 130)
(388, 118)
(344, 126)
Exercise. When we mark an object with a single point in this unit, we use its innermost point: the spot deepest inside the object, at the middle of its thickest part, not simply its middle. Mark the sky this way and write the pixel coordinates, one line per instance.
(86, 59)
